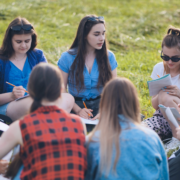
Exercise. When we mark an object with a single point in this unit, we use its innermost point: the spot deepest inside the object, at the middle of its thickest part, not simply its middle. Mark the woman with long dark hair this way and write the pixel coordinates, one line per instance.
(87, 66)
(18, 56)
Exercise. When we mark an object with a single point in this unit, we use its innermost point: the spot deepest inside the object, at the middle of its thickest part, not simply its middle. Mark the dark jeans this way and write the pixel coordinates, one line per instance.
(5, 119)
(91, 104)
(174, 167)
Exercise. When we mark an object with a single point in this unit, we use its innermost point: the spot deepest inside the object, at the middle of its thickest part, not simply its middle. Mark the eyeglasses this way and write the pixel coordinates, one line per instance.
(95, 18)
(167, 58)
(26, 27)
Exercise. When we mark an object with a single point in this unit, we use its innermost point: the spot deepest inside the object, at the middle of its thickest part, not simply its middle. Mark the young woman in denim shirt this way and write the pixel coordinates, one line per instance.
(119, 147)
(87, 66)
(18, 56)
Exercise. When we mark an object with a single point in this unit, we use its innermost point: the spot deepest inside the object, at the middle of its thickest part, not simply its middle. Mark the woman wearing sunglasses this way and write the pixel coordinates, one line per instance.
(87, 66)
(170, 95)
(18, 56)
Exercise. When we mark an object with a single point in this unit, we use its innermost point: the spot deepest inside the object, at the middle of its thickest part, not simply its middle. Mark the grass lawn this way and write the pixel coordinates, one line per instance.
(135, 29)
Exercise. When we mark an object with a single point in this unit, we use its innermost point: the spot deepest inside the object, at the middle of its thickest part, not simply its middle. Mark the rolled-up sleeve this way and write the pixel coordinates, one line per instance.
(63, 62)
(112, 60)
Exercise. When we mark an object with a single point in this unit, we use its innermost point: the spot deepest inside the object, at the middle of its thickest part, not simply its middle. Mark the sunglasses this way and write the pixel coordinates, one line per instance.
(26, 27)
(167, 58)
(95, 18)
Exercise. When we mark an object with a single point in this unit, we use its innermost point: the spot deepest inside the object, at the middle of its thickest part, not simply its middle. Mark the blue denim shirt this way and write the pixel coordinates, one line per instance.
(90, 79)
(142, 155)
(34, 57)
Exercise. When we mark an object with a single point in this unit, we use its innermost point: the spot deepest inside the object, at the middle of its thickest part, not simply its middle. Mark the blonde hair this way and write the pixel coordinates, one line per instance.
(119, 97)
(171, 39)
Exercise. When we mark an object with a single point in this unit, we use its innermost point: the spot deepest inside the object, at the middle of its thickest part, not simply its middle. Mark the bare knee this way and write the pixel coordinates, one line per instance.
(17, 109)
(67, 102)
(164, 98)
(70, 101)
(167, 100)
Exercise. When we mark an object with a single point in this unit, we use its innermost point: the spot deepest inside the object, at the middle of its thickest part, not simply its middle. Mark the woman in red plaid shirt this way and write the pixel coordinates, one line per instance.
(52, 141)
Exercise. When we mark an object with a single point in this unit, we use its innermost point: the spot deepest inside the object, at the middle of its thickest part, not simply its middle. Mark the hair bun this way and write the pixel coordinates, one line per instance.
(173, 31)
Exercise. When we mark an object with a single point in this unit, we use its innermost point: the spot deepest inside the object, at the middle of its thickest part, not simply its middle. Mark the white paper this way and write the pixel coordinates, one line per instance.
(173, 110)
(3, 127)
(89, 121)
(156, 85)
(171, 117)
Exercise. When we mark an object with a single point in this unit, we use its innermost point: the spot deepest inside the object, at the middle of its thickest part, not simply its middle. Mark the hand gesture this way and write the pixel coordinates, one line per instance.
(18, 91)
(172, 90)
(85, 113)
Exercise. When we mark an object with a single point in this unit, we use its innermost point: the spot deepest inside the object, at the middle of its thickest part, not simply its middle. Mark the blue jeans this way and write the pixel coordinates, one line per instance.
(3, 108)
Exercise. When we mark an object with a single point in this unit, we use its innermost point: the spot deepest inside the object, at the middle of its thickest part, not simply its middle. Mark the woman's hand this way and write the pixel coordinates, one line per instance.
(172, 90)
(85, 113)
(3, 166)
(96, 117)
(18, 91)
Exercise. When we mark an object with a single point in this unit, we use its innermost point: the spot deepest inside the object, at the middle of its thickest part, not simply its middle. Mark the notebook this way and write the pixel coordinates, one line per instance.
(156, 85)
(171, 113)
(89, 121)
(22, 97)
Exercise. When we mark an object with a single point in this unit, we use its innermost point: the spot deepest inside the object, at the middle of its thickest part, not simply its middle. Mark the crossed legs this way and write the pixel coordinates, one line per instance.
(17, 109)
(169, 101)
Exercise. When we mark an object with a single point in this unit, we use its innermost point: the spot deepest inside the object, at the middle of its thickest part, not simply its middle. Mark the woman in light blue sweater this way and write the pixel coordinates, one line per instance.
(119, 147)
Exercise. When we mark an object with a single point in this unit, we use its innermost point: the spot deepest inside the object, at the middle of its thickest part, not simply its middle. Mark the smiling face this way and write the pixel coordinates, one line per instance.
(172, 52)
(21, 43)
(96, 36)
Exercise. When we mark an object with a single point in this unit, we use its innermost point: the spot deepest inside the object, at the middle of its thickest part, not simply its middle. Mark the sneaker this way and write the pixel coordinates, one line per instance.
(173, 144)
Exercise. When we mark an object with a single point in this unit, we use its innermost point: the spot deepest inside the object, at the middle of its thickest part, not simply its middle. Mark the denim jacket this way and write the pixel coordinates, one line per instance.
(34, 57)
(142, 155)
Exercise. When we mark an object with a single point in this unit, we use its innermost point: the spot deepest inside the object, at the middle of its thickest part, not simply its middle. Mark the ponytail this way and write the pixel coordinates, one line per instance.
(44, 83)
(35, 105)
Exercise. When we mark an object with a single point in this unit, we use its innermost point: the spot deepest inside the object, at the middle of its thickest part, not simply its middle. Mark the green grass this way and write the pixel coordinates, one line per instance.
(135, 29)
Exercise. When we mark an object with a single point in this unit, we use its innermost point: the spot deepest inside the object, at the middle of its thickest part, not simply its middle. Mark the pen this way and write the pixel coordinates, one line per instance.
(14, 86)
(85, 107)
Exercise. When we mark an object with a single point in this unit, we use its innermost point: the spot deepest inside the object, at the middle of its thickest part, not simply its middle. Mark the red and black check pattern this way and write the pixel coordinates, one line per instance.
(54, 145)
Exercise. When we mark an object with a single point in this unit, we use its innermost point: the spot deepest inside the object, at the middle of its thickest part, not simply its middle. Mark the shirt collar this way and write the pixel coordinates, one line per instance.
(47, 109)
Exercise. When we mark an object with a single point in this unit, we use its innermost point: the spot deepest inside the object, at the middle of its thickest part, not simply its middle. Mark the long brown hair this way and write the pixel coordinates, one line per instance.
(119, 97)
(171, 39)
(78, 65)
(6, 50)
(45, 82)
(14, 167)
